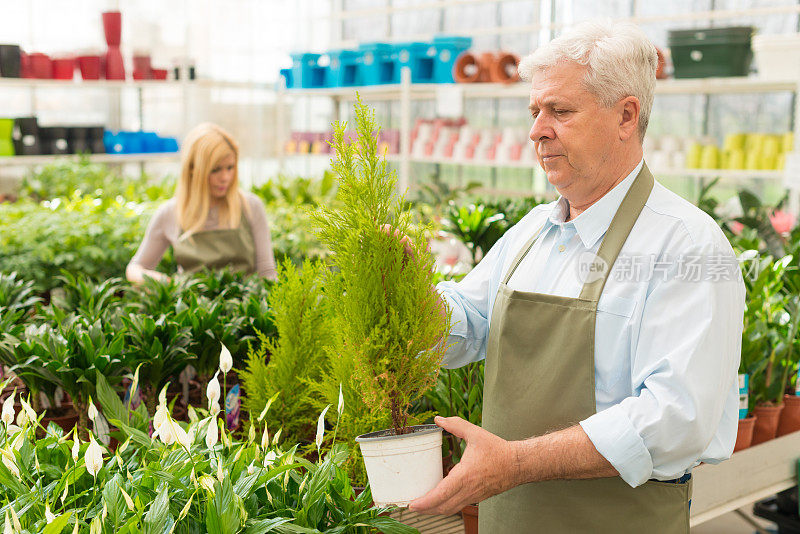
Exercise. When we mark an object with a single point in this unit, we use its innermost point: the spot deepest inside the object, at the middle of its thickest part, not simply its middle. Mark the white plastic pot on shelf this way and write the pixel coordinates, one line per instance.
(777, 56)
(402, 468)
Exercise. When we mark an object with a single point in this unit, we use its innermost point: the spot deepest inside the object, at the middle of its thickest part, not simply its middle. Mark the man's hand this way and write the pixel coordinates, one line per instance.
(408, 245)
(489, 466)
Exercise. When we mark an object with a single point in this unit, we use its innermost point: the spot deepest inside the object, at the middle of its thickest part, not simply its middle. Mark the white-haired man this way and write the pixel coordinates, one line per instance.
(610, 319)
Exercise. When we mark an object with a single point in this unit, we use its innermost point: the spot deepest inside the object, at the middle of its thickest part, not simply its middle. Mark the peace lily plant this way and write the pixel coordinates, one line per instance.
(185, 478)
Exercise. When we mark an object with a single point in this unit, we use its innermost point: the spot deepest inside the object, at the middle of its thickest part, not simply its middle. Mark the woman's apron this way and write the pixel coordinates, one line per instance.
(216, 249)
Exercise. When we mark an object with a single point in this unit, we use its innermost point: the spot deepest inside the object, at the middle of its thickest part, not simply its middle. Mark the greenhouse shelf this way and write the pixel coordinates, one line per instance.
(30, 83)
(167, 157)
(748, 476)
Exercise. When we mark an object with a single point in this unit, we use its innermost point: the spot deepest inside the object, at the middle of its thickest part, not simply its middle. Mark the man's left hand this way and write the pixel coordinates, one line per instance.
(489, 466)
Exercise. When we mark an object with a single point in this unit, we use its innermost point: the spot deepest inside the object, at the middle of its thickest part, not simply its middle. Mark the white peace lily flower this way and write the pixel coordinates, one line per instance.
(124, 446)
(269, 459)
(193, 417)
(12, 430)
(118, 458)
(251, 435)
(207, 483)
(15, 521)
(340, 407)
(162, 396)
(93, 457)
(105, 512)
(265, 439)
(48, 515)
(135, 382)
(96, 526)
(220, 472)
(213, 391)
(160, 416)
(185, 510)
(22, 418)
(7, 527)
(28, 409)
(165, 431)
(128, 500)
(321, 427)
(215, 408)
(225, 360)
(277, 437)
(36, 463)
(251, 469)
(180, 434)
(92, 411)
(212, 433)
(76, 448)
(75, 530)
(19, 439)
(10, 462)
(66, 492)
(8, 410)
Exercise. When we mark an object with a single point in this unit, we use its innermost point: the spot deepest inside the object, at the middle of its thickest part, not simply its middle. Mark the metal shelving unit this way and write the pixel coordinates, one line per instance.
(405, 92)
(27, 161)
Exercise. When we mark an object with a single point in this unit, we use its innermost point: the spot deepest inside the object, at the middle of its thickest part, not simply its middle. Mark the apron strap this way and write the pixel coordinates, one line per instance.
(522, 253)
(618, 231)
(615, 237)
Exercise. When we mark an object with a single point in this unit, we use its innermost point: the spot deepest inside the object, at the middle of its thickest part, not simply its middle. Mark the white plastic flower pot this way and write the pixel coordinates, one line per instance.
(402, 468)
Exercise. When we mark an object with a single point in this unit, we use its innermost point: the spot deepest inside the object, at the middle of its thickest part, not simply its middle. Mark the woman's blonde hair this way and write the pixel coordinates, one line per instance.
(205, 146)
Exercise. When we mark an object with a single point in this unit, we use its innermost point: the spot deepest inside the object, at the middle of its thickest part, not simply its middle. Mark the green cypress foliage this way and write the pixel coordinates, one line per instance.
(298, 355)
(387, 318)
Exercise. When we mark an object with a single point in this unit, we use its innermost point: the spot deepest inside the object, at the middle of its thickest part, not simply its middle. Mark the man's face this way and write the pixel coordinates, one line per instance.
(574, 134)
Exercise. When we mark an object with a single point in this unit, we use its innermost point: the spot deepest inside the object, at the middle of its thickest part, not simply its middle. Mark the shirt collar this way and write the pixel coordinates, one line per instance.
(593, 223)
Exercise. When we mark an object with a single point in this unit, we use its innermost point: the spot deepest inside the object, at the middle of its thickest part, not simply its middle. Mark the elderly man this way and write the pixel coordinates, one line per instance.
(610, 319)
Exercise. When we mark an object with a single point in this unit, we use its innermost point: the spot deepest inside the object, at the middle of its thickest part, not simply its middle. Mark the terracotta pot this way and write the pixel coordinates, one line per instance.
(790, 416)
(470, 516)
(766, 423)
(744, 436)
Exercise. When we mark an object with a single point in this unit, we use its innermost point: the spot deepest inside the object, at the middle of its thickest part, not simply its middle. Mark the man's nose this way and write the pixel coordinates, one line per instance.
(541, 128)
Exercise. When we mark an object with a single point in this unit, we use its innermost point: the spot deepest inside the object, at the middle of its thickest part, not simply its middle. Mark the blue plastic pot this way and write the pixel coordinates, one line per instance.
(448, 48)
(378, 64)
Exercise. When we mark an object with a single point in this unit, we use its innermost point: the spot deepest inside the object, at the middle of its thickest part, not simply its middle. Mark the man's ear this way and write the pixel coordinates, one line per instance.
(629, 109)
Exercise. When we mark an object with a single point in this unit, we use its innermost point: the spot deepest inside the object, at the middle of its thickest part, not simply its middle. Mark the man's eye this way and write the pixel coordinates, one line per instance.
(215, 169)
(561, 111)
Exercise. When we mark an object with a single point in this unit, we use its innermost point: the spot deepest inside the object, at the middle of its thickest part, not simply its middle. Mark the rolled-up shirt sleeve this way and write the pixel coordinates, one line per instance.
(684, 364)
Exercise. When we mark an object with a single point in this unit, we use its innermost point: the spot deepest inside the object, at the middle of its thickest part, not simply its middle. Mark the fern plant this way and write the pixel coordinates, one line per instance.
(386, 315)
(302, 319)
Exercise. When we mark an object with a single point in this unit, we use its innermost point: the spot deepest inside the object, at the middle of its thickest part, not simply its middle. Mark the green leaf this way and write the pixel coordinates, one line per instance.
(222, 515)
(58, 524)
(157, 518)
(389, 525)
(266, 525)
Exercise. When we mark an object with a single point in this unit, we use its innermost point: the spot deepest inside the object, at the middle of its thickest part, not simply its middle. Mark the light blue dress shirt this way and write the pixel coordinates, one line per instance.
(668, 331)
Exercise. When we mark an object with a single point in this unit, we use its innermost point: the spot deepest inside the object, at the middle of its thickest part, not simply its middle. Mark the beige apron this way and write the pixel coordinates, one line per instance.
(215, 249)
(540, 378)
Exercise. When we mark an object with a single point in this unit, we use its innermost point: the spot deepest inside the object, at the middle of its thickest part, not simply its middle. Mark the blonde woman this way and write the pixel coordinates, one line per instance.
(209, 222)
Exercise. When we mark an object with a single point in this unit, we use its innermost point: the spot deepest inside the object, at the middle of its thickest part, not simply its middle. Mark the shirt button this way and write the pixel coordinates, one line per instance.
(561, 248)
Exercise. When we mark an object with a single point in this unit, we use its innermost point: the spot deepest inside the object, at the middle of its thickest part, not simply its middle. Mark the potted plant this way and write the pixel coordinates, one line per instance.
(771, 324)
(159, 346)
(71, 356)
(386, 315)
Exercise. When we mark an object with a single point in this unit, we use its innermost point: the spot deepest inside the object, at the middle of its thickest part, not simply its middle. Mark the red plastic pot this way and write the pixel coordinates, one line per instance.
(112, 27)
(789, 420)
(115, 66)
(744, 436)
(40, 66)
(90, 67)
(159, 74)
(141, 63)
(64, 68)
(25, 65)
(766, 426)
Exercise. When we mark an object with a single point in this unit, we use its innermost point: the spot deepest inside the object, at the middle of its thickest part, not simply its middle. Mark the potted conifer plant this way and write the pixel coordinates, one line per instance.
(386, 315)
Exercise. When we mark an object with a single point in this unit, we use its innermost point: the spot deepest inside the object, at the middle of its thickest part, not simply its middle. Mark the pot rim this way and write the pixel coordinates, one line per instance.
(376, 436)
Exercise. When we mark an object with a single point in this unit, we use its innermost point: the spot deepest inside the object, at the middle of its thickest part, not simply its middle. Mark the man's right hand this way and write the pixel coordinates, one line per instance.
(408, 245)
